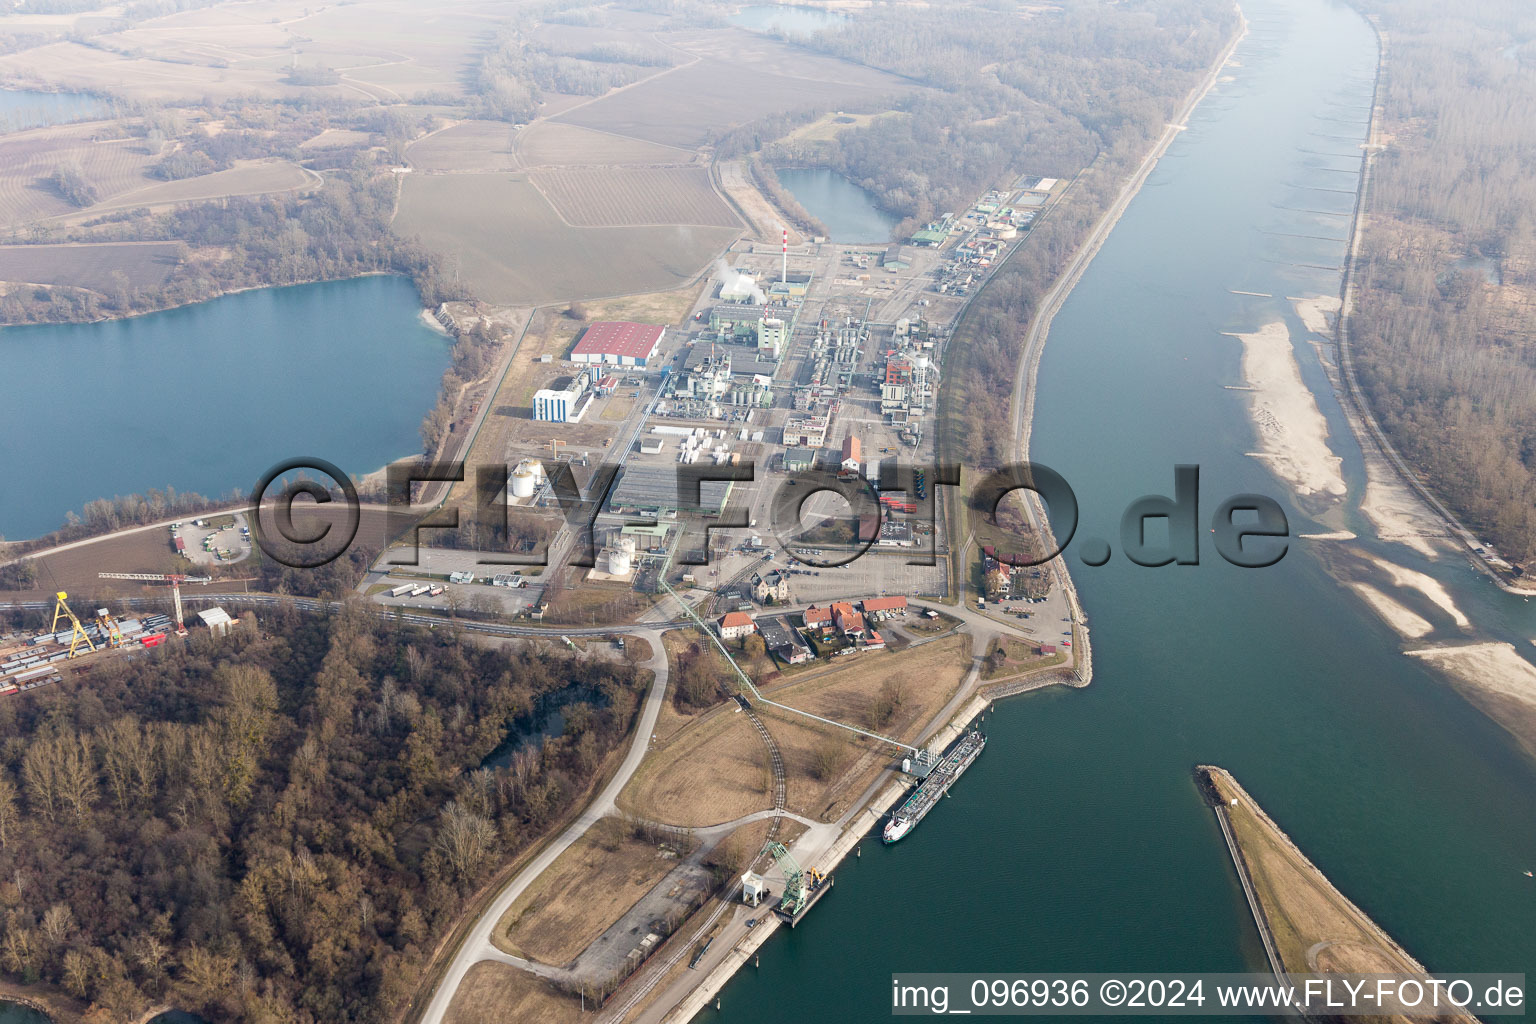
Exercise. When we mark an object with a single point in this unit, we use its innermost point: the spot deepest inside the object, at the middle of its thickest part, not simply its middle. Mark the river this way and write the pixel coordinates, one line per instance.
(209, 396)
(1078, 841)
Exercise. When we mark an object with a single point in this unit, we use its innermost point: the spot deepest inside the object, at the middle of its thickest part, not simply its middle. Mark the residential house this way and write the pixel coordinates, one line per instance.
(736, 625)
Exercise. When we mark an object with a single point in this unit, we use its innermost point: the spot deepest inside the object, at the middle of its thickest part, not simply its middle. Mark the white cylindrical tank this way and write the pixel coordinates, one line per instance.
(522, 483)
(627, 545)
(619, 561)
(906, 765)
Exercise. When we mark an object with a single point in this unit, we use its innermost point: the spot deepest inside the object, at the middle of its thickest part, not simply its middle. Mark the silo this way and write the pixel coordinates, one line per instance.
(522, 482)
(619, 560)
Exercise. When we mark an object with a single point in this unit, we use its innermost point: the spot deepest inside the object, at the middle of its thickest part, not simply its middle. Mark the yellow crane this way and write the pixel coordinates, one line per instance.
(110, 634)
(77, 636)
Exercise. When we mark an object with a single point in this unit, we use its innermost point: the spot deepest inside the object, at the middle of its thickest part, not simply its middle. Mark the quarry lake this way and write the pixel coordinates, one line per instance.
(1078, 841)
(848, 211)
(23, 108)
(786, 18)
(208, 397)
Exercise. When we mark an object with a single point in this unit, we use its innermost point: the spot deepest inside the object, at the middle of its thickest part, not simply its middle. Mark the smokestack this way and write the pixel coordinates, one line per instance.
(784, 274)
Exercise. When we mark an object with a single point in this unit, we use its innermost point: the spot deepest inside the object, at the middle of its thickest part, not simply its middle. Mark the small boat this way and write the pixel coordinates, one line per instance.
(1529, 875)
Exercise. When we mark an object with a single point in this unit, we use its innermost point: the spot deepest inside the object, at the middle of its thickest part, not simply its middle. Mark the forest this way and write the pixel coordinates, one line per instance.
(1007, 95)
(1442, 330)
(279, 825)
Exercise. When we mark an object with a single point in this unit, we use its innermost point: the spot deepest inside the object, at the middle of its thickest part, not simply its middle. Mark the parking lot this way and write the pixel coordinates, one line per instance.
(220, 540)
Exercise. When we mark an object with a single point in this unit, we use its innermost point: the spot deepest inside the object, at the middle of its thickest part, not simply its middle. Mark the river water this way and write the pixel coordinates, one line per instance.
(208, 397)
(1078, 841)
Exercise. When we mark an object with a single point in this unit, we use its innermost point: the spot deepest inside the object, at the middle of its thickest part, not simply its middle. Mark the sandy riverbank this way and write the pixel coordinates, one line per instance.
(1406, 621)
(1315, 311)
(1494, 677)
(1293, 435)
(1426, 585)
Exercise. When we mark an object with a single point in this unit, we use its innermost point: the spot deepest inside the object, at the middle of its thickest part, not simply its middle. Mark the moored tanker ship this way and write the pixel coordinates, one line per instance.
(950, 767)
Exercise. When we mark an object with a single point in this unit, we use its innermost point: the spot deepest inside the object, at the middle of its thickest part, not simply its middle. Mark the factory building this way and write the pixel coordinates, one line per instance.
(618, 343)
(772, 336)
(563, 405)
(737, 321)
(793, 286)
(653, 489)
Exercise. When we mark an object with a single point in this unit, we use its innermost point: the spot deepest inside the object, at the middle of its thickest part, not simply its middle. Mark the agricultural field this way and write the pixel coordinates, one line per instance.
(466, 146)
(512, 248)
(246, 178)
(601, 197)
(748, 79)
(549, 142)
(97, 266)
(248, 48)
(336, 138)
(111, 163)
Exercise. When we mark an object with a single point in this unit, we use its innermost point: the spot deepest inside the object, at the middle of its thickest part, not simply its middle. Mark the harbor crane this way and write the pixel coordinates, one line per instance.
(798, 884)
(77, 635)
(174, 579)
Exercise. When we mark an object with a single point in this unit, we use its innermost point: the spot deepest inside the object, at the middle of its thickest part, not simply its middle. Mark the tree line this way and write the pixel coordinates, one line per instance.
(278, 825)
(1446, 356)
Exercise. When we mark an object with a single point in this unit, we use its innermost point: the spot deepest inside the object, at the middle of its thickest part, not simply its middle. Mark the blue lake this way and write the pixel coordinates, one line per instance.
(24, 108)
(848, 211)
(786, 18)
(208, 397)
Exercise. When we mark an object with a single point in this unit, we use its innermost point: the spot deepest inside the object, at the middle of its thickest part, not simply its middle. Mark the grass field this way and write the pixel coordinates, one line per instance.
(926, 677)
(600, 197)
(588, 887)
(1316, 928)
(564, 145)
(493, 993)
(710, 768)
(467, 146)
(511, 247)
(94, 266)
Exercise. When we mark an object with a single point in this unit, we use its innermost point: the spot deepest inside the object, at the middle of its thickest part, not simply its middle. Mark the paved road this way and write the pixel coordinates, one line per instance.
(477, 944)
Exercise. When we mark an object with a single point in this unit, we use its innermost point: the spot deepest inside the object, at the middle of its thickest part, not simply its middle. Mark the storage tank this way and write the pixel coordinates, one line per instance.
(619, 561)
(627, 545)
(522, 482)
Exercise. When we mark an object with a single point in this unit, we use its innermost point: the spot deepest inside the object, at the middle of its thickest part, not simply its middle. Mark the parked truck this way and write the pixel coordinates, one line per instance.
(401, 590)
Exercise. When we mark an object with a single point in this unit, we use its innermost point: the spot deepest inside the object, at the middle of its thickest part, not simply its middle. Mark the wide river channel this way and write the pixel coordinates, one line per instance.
(1078, 841)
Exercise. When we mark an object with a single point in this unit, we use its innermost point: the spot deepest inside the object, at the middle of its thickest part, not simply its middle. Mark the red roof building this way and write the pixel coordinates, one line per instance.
(885, 604)
(849, 622)
(736, 624)
(618, 342)
(816, 618)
